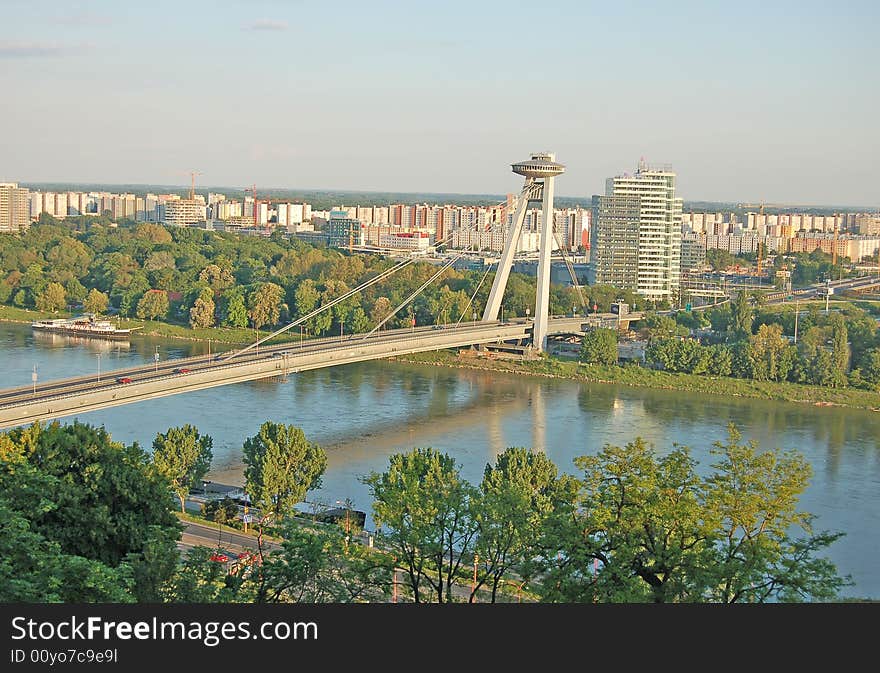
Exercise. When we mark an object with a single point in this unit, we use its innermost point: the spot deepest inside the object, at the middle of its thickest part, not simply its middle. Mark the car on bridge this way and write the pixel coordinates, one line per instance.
(124, 379)
(182, 370)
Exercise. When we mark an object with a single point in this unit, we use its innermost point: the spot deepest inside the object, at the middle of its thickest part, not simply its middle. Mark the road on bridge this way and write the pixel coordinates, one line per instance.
(66, 397)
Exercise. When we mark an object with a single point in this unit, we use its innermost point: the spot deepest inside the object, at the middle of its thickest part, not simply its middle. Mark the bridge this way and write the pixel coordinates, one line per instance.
(67, 397)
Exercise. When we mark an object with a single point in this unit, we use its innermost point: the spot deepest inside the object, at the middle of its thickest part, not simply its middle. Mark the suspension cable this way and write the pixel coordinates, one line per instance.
(571, 272)
(323, 307)
(412, 296)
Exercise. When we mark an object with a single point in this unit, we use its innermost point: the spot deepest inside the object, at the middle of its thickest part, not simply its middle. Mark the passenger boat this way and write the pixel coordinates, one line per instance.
(84, 325)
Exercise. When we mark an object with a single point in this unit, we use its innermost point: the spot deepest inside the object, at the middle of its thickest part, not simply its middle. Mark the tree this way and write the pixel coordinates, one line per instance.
(751, 502)
(515, 498)
(871, 367)
(265, 304)
(840, 350)
(154, 304)
(741, 316)
(217, 277)
(426, 505)
(52, 298)
(599, 346)
(381, 309)
(35, 570)
(236, 311)
(202, 312)
(644, 528)
(719, 260)
(96, 301)
(182, 456)
(281, 466)
(320, 566)
(771, 357)
(95, 498)
(662, 327)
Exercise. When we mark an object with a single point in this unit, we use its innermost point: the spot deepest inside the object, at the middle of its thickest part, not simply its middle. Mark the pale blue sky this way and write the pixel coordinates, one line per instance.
(748, 100)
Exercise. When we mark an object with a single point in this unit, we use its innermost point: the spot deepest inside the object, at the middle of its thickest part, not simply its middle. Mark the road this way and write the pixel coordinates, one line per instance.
(197, 534)
(67, 397)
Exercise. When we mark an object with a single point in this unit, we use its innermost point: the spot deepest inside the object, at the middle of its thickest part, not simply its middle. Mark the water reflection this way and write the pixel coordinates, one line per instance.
(363, 413)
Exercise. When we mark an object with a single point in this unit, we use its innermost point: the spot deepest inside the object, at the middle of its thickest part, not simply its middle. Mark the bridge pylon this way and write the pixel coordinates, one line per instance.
(540, 172)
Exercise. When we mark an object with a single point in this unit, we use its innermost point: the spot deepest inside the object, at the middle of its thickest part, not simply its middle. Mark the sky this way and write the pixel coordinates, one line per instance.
(769, 101)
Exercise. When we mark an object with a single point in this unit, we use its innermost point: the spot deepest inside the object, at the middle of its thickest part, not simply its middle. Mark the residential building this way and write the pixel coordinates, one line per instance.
(183, 212)
(14, 208)
(637, 233)
(342, 230)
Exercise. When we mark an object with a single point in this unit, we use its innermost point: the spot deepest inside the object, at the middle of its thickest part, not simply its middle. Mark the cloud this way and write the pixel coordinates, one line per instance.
(38, 49)
(267, 24)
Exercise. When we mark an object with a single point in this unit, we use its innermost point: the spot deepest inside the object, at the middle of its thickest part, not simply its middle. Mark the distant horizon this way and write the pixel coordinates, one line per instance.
(776, 101)
(471, 195)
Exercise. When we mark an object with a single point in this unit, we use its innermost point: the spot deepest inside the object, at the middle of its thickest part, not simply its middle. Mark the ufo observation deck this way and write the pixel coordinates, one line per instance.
(539, 166)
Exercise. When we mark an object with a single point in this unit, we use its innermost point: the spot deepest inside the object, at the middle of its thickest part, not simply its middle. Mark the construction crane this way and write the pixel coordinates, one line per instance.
(192, 182)
(257, 201)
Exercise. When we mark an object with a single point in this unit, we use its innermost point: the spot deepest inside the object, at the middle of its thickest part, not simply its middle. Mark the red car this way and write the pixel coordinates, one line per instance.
(182, 370)
(123, 379)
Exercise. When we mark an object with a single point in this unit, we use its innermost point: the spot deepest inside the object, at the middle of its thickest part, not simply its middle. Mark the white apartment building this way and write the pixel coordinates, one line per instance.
(14, 208)
(183, 212)
(643, 204)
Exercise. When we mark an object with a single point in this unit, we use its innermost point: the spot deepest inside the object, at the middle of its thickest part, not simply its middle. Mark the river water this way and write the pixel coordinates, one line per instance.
(363, 413)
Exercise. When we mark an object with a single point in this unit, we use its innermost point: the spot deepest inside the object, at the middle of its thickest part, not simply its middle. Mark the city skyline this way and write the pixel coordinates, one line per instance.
(746, 105)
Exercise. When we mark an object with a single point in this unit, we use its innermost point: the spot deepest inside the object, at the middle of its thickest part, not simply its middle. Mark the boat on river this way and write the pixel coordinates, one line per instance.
(84, 325)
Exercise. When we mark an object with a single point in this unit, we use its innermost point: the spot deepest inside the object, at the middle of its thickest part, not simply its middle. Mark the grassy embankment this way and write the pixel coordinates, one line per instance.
(157, 328)
(648, 378)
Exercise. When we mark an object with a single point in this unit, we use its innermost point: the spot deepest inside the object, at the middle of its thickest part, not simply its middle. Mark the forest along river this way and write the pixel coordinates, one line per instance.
(363, 413)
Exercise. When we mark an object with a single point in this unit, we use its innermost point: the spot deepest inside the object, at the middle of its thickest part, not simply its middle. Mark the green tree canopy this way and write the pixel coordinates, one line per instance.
(154, 304)
(52, 298)
(96, 301)
(599, 346)
(644, 528)
(183, 457)
(281, 466)
(426, 506)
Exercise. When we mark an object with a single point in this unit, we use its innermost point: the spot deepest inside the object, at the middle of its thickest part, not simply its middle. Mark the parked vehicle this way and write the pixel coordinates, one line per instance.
(123, 379)
(182, 370)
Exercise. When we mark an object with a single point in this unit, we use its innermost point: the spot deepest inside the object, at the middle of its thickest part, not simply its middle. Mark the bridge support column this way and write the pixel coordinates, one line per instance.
(540, 172)
(502, 273)
(542, 301)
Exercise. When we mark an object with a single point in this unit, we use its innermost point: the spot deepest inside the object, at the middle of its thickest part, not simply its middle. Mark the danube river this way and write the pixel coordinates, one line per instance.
(363, 413)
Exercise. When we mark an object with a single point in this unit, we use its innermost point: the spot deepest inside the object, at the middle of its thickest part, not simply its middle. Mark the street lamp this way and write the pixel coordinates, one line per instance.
(528, 312)
(99, 368)
(347, 504)
(34, 380)
(475, 317)
(341, 323)
(156, 359)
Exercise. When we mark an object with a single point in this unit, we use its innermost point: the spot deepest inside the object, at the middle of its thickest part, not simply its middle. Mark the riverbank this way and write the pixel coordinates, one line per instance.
(643, 377)
(154, 328)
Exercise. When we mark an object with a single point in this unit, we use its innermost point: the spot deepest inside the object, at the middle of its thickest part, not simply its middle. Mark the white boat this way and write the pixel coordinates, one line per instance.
(84, 325)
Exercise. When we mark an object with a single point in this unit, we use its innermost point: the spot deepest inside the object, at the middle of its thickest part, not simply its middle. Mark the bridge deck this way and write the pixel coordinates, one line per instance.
(66, 397)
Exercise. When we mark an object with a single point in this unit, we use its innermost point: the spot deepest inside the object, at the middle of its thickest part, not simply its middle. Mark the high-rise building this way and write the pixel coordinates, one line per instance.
(636, 233)
(343, 231)
(14, 208)
(184, 212)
